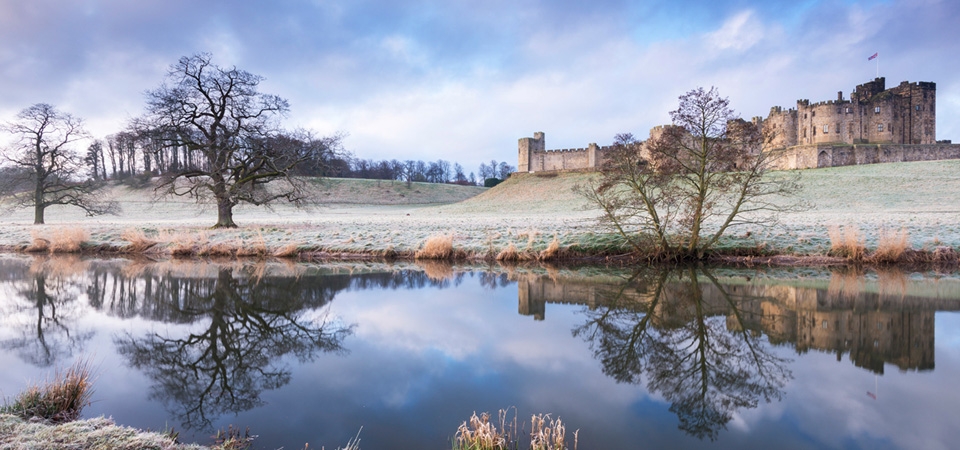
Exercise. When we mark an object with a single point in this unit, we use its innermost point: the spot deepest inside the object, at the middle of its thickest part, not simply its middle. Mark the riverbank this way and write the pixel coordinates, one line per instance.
(528, 217)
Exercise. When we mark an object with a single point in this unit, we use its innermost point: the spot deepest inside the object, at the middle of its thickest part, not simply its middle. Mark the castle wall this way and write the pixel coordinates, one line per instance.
(833, 155)
(533, 156)
(876, 125)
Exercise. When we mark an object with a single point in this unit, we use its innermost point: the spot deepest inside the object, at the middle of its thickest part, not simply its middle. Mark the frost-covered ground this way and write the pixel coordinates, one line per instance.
(923, 198)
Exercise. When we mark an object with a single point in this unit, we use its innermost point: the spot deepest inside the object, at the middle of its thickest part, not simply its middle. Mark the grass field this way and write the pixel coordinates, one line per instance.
(528, 211)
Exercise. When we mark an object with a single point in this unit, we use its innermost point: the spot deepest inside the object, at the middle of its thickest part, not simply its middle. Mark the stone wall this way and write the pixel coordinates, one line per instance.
(533, 156)
(833, 155)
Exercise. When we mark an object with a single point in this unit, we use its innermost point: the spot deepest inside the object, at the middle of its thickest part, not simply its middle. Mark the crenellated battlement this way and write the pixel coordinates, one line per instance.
(902, 119)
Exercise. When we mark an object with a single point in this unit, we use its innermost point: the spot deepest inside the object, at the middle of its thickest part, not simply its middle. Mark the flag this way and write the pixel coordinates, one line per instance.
(871, 394)
(873, 56)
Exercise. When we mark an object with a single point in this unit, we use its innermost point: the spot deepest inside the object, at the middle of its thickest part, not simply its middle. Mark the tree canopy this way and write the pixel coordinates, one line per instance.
(232, 131)
(44, 169)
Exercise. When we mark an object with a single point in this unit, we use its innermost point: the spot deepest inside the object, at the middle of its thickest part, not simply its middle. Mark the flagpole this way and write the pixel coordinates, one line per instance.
(878, 64)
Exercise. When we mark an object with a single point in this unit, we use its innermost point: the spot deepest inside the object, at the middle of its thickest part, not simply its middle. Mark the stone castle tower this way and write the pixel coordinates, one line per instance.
(905, 114)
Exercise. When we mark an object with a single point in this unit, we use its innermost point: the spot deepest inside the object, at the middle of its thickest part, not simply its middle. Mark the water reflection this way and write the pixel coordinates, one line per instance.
(245, 325)
(45, 311)
(664, 327)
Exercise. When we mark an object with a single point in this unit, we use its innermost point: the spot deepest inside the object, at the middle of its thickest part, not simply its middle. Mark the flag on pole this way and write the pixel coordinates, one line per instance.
(872, 57)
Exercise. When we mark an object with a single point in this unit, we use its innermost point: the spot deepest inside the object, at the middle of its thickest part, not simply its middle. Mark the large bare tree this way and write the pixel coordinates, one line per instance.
(46, 170)
(675, 195)
(219, 114)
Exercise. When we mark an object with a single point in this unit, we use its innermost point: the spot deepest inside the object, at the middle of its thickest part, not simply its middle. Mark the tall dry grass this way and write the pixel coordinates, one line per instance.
(891, 247)
(60, 240)
(846, 242)
(436, 247)
(549, 434)
(479, 433)
(58, 400)
(138, 241)
(551, 252)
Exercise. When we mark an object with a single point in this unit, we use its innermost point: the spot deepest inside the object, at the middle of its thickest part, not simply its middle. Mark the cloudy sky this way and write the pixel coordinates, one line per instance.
(463, 80)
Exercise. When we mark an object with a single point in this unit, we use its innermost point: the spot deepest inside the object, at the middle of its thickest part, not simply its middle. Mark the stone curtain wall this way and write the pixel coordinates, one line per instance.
(533, 156)
(829, 155)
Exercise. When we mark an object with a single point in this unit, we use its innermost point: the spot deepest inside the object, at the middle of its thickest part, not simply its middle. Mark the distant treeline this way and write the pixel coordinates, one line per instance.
(127, 154)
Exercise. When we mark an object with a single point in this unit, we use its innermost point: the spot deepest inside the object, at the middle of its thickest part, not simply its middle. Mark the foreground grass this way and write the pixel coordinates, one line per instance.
(520, 220)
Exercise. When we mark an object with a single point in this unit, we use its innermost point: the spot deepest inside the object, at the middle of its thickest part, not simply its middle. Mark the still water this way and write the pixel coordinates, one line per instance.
(685, 358)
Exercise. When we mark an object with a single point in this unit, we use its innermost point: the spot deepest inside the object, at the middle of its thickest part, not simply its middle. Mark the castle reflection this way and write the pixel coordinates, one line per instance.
(874, 327)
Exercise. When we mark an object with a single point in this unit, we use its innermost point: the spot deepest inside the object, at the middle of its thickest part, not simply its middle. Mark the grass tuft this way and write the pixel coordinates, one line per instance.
(891, 247)
(509, 254)
(138, 241)
(287, 251)
(478, 433)
(58, 400)
(551, 252)
(436, 247)
(68, 240)
(549, 434)
(846, 242)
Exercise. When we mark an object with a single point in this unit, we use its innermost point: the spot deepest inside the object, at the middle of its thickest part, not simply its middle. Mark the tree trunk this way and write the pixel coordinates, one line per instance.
(38, 205)
(224, 214)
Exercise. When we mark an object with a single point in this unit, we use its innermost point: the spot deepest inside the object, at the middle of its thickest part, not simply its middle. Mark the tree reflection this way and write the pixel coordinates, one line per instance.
(246, 326)
(669, 327)
(44, 313)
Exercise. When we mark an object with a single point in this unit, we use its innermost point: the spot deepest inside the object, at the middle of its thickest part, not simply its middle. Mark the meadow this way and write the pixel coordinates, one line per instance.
(526, 214)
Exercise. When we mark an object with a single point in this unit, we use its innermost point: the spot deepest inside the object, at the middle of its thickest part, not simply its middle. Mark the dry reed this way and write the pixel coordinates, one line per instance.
(258, 247)
(891, 246)
(138, 241)
(40, 244)
(549, 434)
(478, 433)
(846, 242)
(551, 252)
(58, 400)
(68, 240)
(436, 247)
(509, 254)
(291, 250)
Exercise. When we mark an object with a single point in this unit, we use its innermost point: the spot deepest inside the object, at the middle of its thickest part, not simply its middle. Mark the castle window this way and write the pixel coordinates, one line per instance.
(804, 132)
(918, 107)
(813, 114)
(826, 129)
(849, 111)
(838, 110)
(850, 128)
(879, 127)
(824, 324)
(876, 110)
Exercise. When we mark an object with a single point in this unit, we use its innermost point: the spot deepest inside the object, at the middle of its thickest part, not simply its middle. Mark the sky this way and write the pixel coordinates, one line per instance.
(464, 80)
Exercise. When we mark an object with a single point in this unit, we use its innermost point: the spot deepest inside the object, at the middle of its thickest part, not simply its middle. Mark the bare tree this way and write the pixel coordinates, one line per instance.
(675, 195)
(42, 151)
(218, 114)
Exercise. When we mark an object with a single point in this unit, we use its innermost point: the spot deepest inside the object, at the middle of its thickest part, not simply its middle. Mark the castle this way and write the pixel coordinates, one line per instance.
(875, 125)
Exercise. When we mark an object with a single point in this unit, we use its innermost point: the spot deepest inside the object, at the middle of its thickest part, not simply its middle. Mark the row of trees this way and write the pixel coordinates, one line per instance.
(438, 171)
(207, 133)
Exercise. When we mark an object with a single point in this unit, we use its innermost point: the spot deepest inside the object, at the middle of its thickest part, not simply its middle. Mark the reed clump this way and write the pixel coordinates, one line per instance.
(138, 242)
(846, 242)
(549, 434)
(891, 247)
(58, 400)
(479, 433)
(436, 247)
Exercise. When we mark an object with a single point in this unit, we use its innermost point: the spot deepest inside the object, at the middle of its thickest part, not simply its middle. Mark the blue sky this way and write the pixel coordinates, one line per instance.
(463, 80)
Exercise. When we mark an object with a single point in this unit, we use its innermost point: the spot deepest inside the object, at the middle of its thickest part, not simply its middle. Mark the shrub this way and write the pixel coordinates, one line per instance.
(491, 182)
